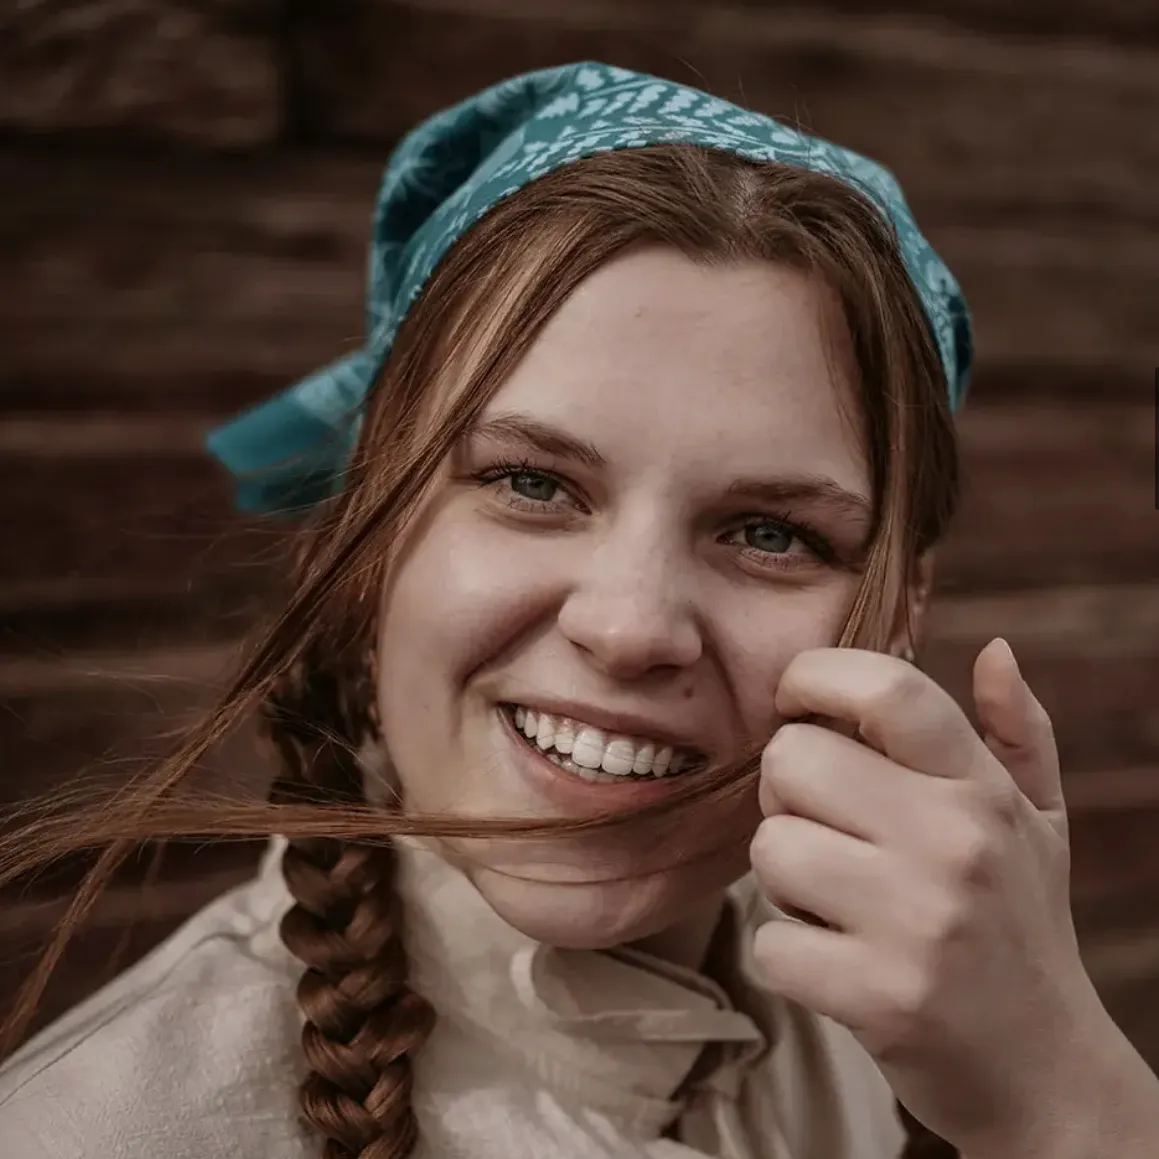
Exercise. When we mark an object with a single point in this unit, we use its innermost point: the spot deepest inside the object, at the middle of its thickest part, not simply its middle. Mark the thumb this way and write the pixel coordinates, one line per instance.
(1016, 728)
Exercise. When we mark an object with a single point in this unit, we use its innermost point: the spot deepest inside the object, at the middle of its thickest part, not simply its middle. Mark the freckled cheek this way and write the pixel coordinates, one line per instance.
(767, 638)
(466, 594)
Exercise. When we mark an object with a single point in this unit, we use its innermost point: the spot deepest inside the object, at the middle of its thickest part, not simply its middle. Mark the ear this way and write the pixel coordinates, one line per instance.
(911, 616)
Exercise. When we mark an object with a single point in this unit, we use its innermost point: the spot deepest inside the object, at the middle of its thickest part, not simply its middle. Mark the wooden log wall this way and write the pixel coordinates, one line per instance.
(184, 197)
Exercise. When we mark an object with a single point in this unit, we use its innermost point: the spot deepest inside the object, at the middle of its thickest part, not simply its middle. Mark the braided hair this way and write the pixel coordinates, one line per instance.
(362, 1021)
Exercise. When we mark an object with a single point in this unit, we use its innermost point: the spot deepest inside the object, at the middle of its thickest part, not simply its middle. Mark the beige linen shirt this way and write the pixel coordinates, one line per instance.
(538, 1053)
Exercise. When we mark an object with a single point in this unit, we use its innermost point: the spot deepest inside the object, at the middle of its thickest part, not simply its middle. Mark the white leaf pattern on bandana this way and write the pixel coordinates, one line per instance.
(450, 170)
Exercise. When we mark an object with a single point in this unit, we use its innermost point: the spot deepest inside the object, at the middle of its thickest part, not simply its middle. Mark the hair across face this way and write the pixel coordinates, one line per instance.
(663, 504)
(754, 328)
(661, 420)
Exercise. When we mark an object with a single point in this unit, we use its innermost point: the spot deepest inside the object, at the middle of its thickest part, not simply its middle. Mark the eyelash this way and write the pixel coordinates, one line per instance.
(800, 529)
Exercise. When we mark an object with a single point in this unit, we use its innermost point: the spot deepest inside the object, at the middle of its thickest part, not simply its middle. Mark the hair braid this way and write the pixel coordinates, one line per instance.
(362, 1020)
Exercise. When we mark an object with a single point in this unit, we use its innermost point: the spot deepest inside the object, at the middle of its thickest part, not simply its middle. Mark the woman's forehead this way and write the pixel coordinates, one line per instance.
(658, 356)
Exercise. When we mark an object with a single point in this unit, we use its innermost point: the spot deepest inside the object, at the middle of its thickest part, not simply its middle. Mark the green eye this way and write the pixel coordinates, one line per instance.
(534, 486)
(771, 537)
(777, 543)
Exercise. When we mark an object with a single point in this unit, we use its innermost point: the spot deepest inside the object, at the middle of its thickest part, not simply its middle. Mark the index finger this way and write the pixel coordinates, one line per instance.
(895, 707)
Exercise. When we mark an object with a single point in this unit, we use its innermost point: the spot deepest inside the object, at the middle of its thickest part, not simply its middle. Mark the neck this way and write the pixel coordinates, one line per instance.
(686, 942)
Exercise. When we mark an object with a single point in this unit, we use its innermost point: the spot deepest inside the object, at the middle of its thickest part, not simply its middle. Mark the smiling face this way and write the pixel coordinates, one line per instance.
(665, 503)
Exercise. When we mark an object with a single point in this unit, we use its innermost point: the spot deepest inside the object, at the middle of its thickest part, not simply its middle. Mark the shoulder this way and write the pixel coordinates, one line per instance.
(826, 1092)
(189, 1053)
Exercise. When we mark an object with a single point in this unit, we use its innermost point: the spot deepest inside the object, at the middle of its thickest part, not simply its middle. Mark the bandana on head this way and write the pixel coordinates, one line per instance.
(290, 451)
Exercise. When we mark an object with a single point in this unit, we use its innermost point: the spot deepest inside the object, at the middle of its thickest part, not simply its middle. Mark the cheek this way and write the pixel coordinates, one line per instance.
(768, 634)
(455, 604)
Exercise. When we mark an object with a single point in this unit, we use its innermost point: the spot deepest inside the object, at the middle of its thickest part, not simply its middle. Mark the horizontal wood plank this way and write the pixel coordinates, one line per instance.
(151, 284)
(217, 282)
(933, 101)
(1114, 860)
(158, 522)
(107, 722)
(1126, 20)
(165, 71)
(1135, 1007)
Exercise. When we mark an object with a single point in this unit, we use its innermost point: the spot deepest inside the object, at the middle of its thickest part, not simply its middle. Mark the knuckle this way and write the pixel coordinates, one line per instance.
(911, 997)
(992, 804)
(768, 847)
(761, 845)
(780, 839)
(782, 860)
(783, 753)
(970, 853)
(766, 950)
(787, 740)
(941, 919)
(899, 687)
(1004, 803)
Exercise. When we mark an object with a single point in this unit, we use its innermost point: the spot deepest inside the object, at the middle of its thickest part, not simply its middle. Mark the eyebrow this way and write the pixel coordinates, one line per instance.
(550, 440)
(541, 436)
(816, 489)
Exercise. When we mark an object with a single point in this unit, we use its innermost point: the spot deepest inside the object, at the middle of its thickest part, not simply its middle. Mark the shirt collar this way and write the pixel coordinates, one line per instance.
(628, 1019)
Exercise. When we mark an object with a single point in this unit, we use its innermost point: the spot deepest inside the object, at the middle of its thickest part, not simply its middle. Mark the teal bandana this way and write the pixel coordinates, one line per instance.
(290, 451)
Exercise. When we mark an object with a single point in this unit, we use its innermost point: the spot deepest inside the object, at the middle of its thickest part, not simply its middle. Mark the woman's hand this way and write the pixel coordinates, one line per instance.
(938, 859)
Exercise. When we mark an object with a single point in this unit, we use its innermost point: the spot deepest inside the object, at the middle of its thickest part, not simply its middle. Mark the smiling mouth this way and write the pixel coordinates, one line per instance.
(596, 755)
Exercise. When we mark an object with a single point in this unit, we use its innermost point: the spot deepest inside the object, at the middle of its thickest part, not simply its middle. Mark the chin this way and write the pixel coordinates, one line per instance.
(598, 915)
(581, 916)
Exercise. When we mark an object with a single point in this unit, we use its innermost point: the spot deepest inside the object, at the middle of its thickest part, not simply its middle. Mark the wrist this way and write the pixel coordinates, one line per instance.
(1118, 1113)
(1100, 1101)
(1108, 1105)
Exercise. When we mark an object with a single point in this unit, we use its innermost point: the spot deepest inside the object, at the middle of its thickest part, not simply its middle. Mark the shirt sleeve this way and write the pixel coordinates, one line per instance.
(190, 1053)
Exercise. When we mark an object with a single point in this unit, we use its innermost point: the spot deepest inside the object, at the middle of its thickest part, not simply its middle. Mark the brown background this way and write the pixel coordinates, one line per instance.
(184, 195)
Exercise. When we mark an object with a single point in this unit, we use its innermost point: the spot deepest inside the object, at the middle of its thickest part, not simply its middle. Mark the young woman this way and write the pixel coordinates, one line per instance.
(615, 820)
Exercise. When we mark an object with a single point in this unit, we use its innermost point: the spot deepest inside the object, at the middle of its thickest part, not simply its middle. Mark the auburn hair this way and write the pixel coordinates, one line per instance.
(308, 674)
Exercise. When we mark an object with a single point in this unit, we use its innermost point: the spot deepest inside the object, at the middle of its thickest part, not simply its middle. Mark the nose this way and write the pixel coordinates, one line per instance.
(630, 613)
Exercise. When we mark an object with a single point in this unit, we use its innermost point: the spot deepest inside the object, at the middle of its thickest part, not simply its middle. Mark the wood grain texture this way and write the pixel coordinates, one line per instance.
(1127, 20)
(141, 283)
(143, 70)
(109, 728)
(1038, 126)
(217, 282)
(1130, 21)
(129, 547)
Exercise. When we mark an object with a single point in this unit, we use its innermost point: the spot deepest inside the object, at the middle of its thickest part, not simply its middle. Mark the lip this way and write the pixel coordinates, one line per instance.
(572, 793)
(623, 723)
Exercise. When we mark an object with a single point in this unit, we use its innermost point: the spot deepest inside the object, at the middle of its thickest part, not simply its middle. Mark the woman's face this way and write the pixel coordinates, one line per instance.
(663, 504)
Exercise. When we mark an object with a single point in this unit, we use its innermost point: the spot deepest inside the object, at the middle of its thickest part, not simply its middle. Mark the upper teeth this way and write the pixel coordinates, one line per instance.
(592, 748)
